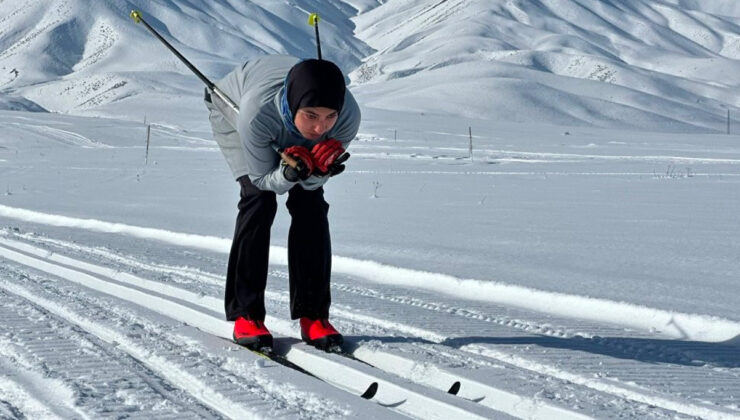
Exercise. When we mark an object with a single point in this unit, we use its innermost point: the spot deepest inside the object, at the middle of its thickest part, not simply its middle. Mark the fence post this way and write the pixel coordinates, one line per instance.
(470, 147)
(148, 132)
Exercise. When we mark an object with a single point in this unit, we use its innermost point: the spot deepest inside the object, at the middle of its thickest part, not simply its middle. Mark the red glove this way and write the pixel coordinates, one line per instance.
(303, 157)
(325, 153)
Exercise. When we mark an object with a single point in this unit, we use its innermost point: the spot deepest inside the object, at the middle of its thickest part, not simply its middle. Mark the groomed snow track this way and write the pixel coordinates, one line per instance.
(188, 308)
(534, 369)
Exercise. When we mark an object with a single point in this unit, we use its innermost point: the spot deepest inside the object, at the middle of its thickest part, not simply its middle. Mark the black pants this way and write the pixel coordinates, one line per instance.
(309, 253)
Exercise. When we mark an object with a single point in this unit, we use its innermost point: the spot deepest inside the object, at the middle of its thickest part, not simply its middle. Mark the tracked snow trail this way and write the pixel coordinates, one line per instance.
(177, 370)
(545, 362)
(404, 397)
(691, 378)
(407, 398)
(196, 371)
(104, 380)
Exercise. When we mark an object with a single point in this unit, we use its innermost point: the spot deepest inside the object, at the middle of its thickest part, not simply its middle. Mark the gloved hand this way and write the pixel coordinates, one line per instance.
(337, 167)
(325, 154)
(304, 163)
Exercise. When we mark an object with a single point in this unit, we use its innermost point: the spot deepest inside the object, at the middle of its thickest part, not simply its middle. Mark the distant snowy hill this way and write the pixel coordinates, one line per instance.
(661, 65)
(89, 57)
(717, 7)
(630, 62)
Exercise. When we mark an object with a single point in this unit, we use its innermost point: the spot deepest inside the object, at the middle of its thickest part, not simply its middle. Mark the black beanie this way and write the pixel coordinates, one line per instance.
(315, 83)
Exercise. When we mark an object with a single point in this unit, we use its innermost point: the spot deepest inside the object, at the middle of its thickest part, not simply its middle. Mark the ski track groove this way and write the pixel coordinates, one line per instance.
(601, 357)
(98, 373)
(283, 298)
(189, 276)
(174, 274)
(251, 390)
(455, 407)
(19, 386)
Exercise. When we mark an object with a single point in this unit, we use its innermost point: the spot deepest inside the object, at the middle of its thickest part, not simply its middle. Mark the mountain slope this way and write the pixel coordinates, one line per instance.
(76, 56)
(635, 63)
(659, 65)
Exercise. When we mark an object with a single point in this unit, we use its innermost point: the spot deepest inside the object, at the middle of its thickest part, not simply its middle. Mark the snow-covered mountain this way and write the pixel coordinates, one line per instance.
(84, 56)
(482, 268)
(662, 65)
(634, 62)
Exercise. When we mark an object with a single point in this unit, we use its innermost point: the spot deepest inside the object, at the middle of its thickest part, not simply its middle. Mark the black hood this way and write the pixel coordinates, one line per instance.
(315, 83)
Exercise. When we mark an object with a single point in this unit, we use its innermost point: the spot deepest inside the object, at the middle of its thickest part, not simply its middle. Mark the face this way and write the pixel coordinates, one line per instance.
(313, 122)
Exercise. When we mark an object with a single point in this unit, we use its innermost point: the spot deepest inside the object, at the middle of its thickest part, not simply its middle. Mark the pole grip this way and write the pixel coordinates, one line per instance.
(288, 160)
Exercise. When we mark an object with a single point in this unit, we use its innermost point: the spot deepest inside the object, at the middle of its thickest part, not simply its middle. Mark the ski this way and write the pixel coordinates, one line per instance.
(269, 354)
(335, 349)
(453, 390)
(338, 350)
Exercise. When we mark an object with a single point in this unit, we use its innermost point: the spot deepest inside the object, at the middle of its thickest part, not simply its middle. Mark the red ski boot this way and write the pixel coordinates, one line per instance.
(252, 334)
(320, 334)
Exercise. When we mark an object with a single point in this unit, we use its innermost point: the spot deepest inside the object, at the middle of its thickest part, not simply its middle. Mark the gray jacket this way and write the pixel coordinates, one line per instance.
(247, 139)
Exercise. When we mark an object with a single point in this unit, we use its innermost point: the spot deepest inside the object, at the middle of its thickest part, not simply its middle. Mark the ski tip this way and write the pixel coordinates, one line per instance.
(454, 389)
(136, 16)
(370, 391)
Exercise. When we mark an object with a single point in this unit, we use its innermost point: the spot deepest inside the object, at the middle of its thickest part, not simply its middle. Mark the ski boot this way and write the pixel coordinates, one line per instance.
(321, 334)
(252, 335)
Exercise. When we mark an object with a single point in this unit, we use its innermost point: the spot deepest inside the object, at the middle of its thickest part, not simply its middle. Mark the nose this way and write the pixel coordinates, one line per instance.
(319, 128)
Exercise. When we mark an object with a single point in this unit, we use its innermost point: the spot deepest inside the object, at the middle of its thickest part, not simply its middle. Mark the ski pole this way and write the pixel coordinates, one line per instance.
(313, 20)
(136, 16)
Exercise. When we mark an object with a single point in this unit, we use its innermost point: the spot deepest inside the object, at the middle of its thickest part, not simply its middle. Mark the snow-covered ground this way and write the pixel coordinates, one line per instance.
(581, 270)
(593, 273)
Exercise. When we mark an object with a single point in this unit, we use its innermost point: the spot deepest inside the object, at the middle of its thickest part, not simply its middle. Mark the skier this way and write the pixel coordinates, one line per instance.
(295, 121)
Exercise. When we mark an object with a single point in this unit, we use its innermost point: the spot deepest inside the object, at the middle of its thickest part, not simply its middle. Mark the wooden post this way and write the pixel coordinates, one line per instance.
(470, 146)
(148, 132)
(728, 120)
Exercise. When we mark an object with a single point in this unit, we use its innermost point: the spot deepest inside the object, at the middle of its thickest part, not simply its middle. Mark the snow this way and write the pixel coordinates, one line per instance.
(676, 324)
(23, 386)
(582, 262)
